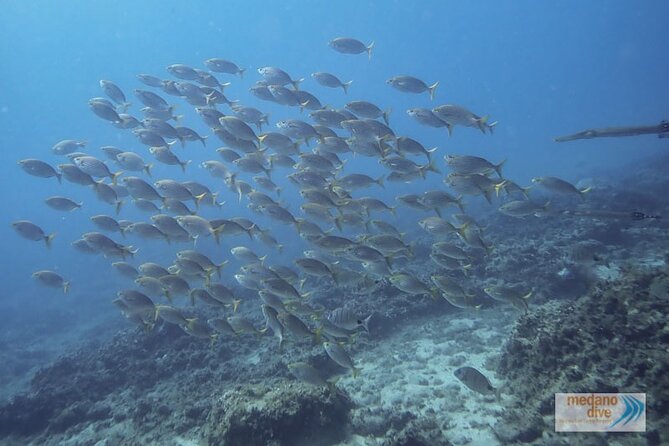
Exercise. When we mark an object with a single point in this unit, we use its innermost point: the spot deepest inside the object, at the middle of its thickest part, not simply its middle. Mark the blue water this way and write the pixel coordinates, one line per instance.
(542, 69)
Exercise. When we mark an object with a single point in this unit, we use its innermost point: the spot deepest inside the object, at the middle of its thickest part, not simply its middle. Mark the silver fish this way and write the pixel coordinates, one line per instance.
(348, 45)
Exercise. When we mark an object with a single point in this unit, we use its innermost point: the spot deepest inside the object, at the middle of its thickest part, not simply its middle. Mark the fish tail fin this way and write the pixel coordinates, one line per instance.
(332, 385)
(235, 304)
(345, 86)
(487, 196)
(129, 250)
(386, 115)
(220, 266)
(437, 211)
(117, 208)
(48, 239)
(379, 181)
(369, 50)
(147, 169)
(429, 153)
(241, 73)
(318, 339)
(198, 199)
(213, 339)
(214, 196)
(203, 140)
(545, 206)
(66, 287)
(582, 192)
(302, 107)
(264, 119)
(355, 372)
(335, 277)
(210, 98)
(460, 203)
(482, 123)
(60, 177)
(216, 233)
(183, 165)
(365, 322)
(296, 83)
(432, 167)
(432, 89)
(525, 190)
(498, 168)
(488, 248)
(498, 187)
(462, 230)
(114, 177)
(337, 222)
(449, 127)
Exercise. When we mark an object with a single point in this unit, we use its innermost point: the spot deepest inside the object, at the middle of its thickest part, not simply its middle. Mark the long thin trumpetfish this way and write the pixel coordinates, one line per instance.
(604, 214)
(661, 129)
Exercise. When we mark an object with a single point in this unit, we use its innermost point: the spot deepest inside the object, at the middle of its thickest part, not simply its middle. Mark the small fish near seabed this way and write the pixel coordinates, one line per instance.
(476, 381)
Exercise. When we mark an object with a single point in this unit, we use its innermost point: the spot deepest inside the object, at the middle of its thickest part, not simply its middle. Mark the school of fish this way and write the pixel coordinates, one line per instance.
(352, 241)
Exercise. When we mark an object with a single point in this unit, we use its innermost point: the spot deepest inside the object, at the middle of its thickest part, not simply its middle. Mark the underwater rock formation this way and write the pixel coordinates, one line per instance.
(285, 415)
(611, 340)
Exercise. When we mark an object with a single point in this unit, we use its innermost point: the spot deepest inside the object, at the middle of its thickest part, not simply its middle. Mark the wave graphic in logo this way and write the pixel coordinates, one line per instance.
(633, 410)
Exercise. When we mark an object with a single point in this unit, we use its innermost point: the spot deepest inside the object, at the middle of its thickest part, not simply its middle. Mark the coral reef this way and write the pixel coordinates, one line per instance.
(285, 415)
(611, 340)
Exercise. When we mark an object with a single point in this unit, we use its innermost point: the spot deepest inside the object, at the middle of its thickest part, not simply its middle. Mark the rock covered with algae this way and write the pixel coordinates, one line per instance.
(611, 340)
(293, 414)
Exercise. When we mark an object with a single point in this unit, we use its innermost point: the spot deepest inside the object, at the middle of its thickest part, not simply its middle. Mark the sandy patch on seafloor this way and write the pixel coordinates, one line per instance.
(412, 371)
